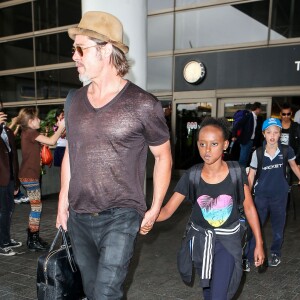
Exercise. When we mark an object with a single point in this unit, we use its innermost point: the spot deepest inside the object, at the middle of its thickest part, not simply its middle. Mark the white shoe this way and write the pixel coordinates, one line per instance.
(6, 251)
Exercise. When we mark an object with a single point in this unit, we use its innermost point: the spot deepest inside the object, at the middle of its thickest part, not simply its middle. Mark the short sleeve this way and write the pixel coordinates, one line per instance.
(253, 163)
(244, 176)
(156, 129)
(182, 186)
(291, 154)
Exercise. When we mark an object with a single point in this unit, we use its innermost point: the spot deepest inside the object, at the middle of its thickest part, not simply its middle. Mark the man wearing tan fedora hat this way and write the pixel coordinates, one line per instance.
(110, 124)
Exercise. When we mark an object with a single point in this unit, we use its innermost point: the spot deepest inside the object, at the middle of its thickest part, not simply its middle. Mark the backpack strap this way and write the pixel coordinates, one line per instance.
(194, 180)
(260, 156)
(235, 172)
(67, 106)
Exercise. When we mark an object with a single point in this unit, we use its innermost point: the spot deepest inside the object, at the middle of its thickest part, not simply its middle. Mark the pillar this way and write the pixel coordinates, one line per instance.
(133, 15)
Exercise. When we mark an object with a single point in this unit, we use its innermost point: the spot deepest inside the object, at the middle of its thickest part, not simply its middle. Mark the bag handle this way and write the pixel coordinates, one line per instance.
(65, 244)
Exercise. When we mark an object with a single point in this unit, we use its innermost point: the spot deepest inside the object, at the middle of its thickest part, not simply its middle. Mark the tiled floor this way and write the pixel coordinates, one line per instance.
(153, 274)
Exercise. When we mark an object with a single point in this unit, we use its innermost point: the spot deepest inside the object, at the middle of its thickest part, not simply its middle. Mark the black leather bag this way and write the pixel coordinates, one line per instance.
(58, 277)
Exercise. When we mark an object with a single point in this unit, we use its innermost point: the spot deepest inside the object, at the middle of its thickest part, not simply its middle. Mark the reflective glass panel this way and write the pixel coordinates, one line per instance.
(231, 108)
(18, 54)
(154, 5)
(159, 73)
(50, 85)
(17, 87)
(15, 19)
(182, 3)
(160, 33)
(188, 119)
(216, 26)
(54, 48)
(56, 83)
(49, 14)
(167, 107)
(285, 19)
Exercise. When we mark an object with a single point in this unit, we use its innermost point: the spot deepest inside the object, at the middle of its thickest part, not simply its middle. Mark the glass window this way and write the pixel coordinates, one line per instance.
(17, 87)
(15, 19)
(56, 83)
(50, 85)
(167, 107)
(182, 3)
(188, 119)
(159, 5)
(218, 25)
(54, 48)
(18, 54)
(285, 19)
(160, 33)
(50, 14)
(159, 73)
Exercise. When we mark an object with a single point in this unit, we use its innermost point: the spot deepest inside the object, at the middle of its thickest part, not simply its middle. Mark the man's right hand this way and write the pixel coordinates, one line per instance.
(62, 219)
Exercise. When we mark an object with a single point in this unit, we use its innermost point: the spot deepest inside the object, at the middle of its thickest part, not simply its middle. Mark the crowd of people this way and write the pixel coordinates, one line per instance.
(110, 125)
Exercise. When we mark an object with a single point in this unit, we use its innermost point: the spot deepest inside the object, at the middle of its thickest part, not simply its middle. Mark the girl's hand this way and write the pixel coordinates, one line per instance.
(145, 229)
(61, 123)
(259, 255)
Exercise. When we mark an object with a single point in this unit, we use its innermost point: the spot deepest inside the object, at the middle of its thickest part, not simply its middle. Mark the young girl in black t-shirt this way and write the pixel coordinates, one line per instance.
(212, 238)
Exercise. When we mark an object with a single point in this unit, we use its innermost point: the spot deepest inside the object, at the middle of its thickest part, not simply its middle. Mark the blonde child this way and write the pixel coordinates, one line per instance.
(271, 187)
(29, 174)
(213, 240)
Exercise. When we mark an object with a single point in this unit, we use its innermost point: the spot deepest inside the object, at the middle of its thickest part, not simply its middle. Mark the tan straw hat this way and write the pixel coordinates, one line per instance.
(102, 26)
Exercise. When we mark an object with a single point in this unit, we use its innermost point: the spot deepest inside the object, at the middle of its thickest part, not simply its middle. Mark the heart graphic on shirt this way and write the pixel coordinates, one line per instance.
(215, 211)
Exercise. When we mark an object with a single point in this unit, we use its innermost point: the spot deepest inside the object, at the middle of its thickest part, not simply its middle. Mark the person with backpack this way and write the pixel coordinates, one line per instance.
(246, 132)
(217, 191)
(290, 135)
(267, 177)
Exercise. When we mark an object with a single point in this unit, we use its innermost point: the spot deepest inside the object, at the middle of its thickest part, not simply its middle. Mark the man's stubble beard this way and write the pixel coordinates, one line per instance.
(85, 79)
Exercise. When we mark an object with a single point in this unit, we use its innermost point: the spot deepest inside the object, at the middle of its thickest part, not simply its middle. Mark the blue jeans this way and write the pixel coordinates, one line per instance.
(245, 153)
(277, 209)
(103, 246)
(7, 205)
(223, 266)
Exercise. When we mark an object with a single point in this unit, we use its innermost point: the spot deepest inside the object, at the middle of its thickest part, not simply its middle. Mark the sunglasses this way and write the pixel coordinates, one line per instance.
(286, 114)
(79, 49)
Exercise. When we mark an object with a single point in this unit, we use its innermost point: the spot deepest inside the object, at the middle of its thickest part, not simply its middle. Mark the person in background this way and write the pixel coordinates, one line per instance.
(214, 223)
(290, 135)
(110, 125)
(61, 142)
(20, 197)
(249, 133)
(271, 187)
(9, 185)
(31, 140)
(297, 116)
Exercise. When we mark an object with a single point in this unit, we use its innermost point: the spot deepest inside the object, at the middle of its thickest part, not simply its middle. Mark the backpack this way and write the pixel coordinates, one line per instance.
(235, 172)
(239, 115)
(260, 156)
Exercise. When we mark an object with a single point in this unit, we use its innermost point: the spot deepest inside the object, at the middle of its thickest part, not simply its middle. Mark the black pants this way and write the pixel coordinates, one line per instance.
(7, 205)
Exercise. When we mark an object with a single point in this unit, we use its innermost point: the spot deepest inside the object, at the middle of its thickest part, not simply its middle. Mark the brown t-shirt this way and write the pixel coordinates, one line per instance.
(108, 149)
(31, 154)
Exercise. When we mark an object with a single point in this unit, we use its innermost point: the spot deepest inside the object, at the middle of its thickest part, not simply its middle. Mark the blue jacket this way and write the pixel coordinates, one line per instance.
(246, 126)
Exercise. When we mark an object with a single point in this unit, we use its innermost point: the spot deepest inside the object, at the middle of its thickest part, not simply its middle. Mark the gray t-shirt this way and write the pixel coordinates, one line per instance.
(108, 149)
